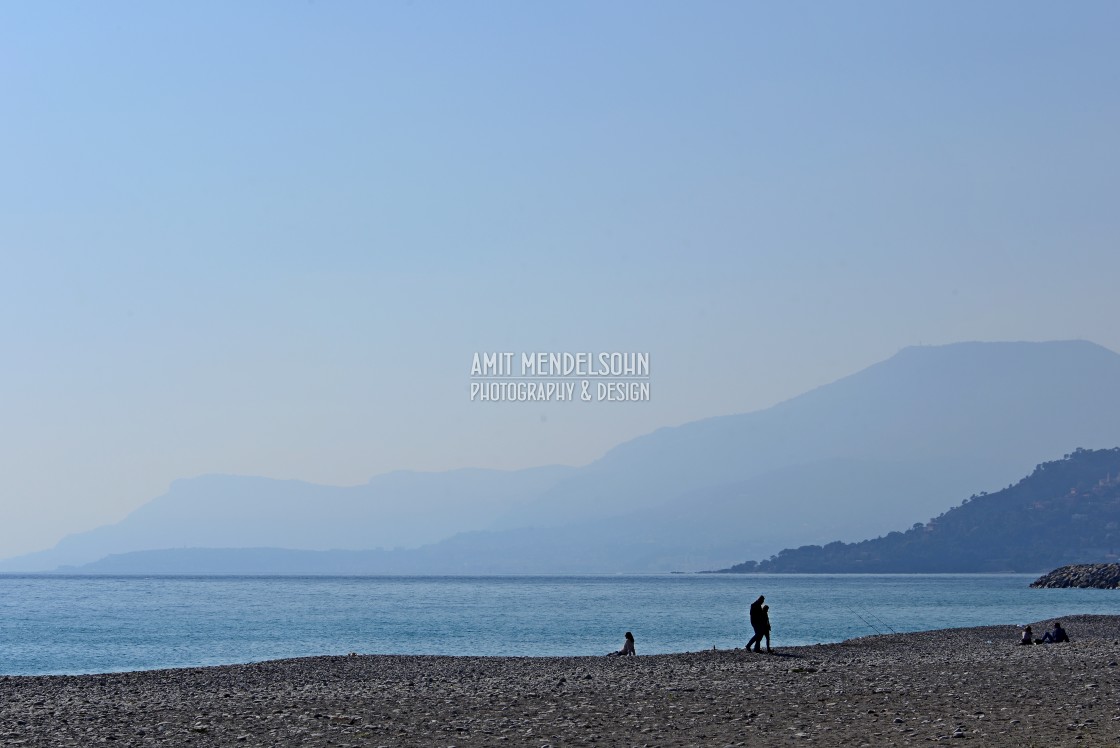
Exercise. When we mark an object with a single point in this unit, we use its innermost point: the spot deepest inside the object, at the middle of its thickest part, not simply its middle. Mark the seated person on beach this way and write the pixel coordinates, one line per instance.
(627, 647)
(1056, 634)
(1028, 637)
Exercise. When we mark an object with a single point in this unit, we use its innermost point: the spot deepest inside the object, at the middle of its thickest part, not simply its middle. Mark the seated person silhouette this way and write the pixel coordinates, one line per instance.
(1055, 635)
(627, 647)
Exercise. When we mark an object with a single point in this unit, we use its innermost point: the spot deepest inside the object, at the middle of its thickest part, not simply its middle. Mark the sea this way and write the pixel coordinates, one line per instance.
(54, 624)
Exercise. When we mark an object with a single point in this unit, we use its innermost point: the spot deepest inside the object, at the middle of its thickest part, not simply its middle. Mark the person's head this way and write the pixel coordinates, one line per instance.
(1057, 624)
(766, 607)
(760, 599)
(629, 636)
(1028, 628)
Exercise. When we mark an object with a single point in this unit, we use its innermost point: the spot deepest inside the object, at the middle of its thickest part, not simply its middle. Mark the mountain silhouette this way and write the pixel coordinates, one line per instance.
(1065, 512)
(889, 446)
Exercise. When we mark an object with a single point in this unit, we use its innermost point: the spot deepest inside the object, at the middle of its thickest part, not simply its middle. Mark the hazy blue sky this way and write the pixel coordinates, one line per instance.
(266, 238)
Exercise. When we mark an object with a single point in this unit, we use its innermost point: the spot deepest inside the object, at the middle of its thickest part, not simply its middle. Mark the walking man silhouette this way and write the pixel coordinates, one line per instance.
(758, 623)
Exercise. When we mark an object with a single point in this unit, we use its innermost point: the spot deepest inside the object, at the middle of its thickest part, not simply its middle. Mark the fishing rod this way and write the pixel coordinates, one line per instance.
(880, 621)
(867, 622)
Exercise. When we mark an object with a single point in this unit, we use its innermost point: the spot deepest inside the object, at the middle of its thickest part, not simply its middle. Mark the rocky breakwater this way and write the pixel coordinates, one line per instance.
(1098, 576)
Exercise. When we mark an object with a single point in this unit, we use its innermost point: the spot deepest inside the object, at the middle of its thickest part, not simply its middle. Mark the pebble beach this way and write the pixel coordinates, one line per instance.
(959, 686)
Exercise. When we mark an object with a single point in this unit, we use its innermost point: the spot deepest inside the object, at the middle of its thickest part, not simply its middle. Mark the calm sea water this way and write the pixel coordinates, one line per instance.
(59, 624)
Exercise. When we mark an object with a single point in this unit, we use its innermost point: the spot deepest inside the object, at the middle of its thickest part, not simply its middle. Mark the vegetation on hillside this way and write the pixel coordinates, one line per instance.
(1066, 511)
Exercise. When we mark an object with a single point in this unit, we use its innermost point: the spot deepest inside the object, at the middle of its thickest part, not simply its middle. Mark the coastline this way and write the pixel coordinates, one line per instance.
(896, 689)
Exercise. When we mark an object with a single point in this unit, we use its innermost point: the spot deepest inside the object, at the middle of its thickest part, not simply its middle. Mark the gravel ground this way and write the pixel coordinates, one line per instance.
(963, 686)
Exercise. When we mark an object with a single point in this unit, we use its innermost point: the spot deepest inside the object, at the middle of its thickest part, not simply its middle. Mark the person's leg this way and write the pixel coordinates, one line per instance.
(767, 641)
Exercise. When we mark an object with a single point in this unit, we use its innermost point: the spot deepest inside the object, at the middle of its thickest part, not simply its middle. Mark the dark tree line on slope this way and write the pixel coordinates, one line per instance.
(1066, 511)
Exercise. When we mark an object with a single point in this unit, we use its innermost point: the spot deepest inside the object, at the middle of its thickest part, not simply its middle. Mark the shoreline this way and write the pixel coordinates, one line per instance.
(893, 689)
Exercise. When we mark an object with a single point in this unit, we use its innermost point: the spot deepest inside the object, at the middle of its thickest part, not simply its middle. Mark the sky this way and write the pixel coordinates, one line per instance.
(267, 238)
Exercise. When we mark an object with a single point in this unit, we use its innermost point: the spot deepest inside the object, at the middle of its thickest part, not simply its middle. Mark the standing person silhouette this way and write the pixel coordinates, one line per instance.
(758, 623)
(766, 626)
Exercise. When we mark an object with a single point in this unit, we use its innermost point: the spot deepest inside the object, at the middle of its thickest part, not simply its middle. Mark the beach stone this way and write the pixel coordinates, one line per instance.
(970, 684)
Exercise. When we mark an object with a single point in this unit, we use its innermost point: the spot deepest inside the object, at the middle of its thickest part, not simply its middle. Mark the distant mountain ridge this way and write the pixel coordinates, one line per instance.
(1065, 512)
(926, 404)
(881, 449)
(399, 509)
